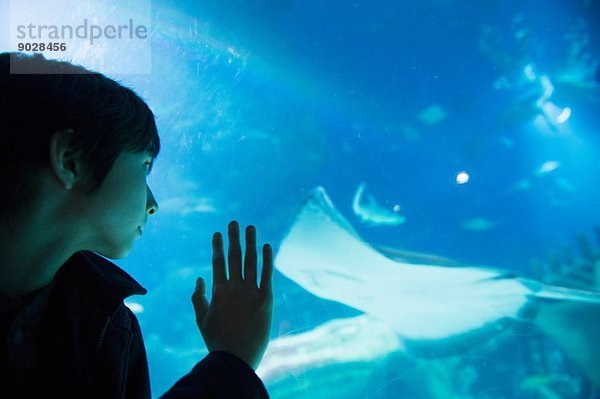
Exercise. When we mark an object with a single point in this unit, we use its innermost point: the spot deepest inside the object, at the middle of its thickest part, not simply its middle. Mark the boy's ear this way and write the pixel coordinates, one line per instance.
(65, 159)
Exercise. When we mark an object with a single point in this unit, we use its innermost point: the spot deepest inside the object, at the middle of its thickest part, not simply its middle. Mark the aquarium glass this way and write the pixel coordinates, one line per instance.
(426, 172)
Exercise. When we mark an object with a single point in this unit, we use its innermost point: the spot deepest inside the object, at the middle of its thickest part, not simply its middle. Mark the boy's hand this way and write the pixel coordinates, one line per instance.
(238, 319)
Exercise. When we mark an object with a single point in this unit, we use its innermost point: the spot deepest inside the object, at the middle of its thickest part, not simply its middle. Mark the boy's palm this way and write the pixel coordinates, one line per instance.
(238, 318)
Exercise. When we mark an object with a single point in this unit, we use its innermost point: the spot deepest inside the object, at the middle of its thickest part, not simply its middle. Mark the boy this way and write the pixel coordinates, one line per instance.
(75, 152)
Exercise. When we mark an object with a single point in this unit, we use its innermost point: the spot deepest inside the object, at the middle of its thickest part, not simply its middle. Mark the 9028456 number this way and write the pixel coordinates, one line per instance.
(50, 46)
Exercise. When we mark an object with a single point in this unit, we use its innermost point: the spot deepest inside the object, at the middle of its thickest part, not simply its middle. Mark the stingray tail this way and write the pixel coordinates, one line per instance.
(557, 293)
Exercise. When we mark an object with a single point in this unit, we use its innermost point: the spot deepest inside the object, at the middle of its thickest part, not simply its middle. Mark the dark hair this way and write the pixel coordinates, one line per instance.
(45, 96)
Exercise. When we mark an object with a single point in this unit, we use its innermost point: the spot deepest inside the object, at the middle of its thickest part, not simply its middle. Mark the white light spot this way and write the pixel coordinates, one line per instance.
(135, 307)
(396, 208)
(462, 177)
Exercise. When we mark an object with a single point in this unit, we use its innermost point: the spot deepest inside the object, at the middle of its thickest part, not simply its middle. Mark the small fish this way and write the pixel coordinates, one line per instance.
(371, 212)
(521, 185)
(506, 142)
(535, 381)
(478, 224)
(565, 185)
(432, 115)
(547, 167)
(410, 134)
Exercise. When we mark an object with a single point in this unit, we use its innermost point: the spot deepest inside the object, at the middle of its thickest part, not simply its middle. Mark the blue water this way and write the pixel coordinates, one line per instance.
(259, 102)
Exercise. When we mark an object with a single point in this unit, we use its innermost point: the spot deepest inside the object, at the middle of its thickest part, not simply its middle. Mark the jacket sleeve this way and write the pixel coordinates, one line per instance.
(220, 375)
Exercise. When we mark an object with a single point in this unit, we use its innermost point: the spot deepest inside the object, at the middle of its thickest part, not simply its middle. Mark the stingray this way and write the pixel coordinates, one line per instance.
(371, 212)
(421, 301)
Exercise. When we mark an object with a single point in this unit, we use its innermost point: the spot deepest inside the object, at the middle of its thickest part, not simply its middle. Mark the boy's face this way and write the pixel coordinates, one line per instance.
(120, 207)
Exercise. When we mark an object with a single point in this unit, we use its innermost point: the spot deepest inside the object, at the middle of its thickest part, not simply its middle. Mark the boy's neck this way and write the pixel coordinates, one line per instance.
(28, 261)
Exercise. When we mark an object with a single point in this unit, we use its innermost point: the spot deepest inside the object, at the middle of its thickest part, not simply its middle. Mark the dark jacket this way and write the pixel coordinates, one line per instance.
(75, 338)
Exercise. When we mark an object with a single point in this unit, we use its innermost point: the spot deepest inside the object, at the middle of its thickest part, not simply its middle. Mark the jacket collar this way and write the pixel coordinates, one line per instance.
(88, 274)
(117, 279)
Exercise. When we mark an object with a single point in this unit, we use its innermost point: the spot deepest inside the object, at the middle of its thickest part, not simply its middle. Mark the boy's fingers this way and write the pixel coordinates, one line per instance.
(235, 252)
(267, 270)
(218, 260)
(250, 257)
(199, 300)
(200, 287)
